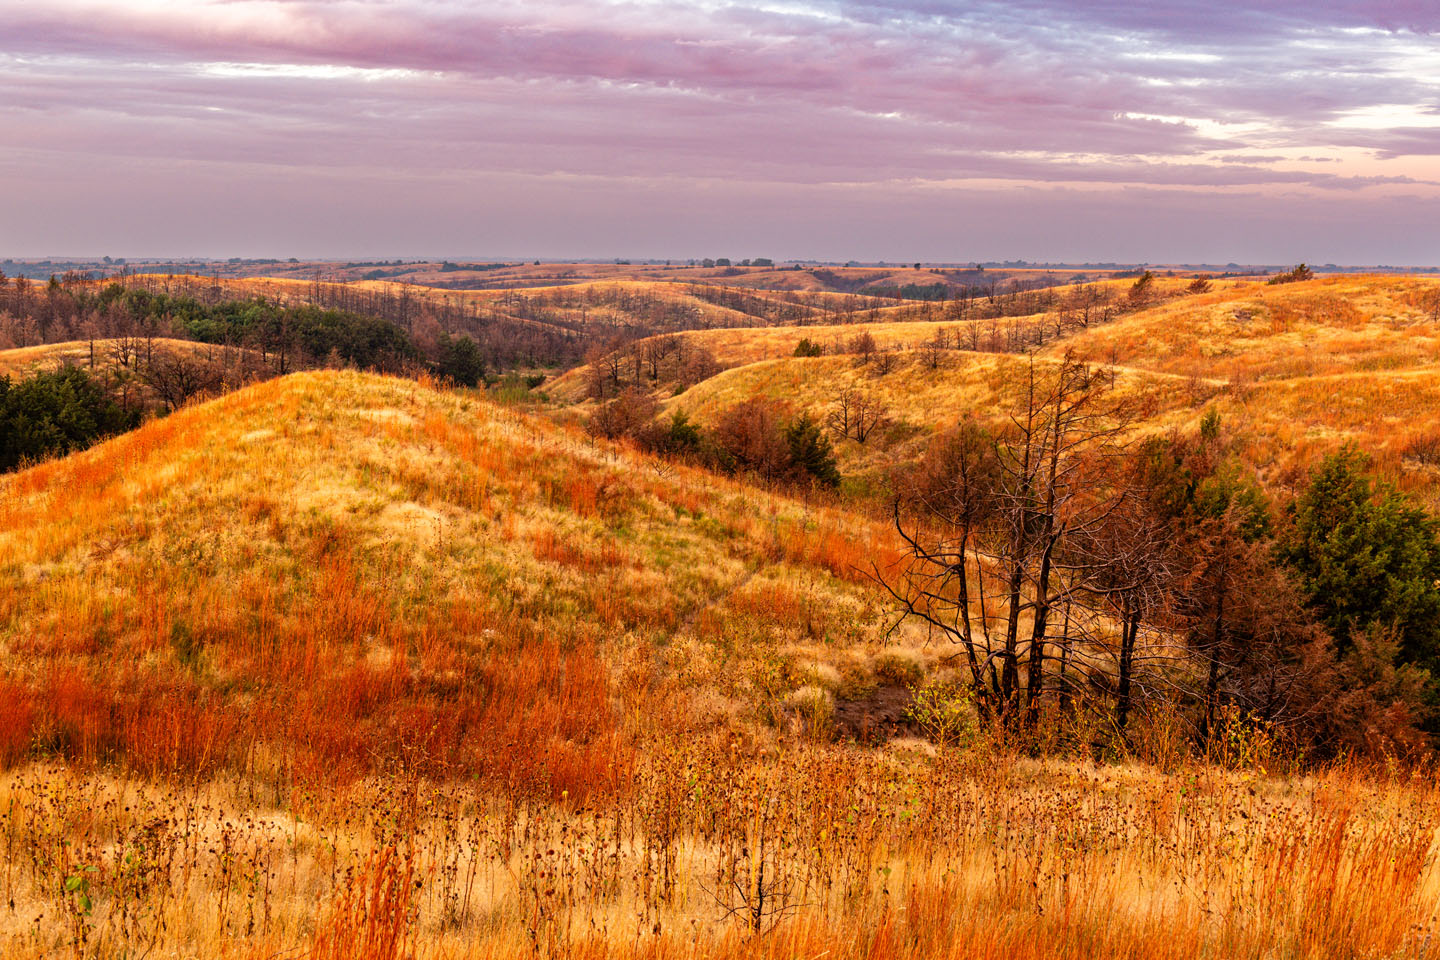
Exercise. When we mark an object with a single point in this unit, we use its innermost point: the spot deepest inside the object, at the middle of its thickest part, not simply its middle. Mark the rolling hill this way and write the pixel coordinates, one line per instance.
(337, 542)
(1295, 371)
(346, 665)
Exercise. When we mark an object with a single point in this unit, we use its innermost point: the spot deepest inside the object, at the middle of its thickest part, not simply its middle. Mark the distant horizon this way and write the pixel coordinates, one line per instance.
(696, 261)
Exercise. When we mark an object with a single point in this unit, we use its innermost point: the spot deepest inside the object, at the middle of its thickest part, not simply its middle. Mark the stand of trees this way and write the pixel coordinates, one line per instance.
(1076, 572)
(759, 437)
(646, 364)
(50, 414)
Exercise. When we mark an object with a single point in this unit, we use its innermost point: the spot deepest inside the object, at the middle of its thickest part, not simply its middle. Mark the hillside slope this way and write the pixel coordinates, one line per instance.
(1344, 324)
(1294, 371)
(89, 354)
(336, 570)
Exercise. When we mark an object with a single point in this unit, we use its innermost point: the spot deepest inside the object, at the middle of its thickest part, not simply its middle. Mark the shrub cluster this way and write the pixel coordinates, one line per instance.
(55, 413)
(757, 436)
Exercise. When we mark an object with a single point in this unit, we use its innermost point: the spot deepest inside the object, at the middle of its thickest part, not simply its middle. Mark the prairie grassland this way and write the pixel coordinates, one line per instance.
(711, 851)
(738, 347)
(1249, 332)
(921, 396)
(590, 301)
(21, 361)
(818, 279)
(344, 570)
(1356, 363)
(347, 666)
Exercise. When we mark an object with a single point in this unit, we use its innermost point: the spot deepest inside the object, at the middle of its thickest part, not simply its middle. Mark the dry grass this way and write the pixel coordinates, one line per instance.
(811, 851)
(347, 666)
(22, 361)
(337, 543)
(1354, 362)
(921, 398)
(1254, 332)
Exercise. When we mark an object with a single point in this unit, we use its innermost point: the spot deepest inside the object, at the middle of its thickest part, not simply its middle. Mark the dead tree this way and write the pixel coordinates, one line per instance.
(856, 414)
(1048, 476)
(177, 378)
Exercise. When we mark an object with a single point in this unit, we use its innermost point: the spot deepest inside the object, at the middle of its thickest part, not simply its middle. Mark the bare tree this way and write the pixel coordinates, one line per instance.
(177, 378)
(856, 414)
(1024, 505)
(864, 344)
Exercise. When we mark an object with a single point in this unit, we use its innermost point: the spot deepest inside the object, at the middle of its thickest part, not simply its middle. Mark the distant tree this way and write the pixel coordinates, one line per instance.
(624, 416)
(1301, 272)
(176, 378)
(1144, 287)
(933, 350)
(864, 344)
(808, 348)
(460, 360)
(1200, 284)
(855, 414)
(677, 437)
(750, 436)
(694, 364)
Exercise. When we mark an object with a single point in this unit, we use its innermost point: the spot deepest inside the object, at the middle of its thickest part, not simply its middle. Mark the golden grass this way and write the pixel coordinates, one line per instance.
(741, 346)
(591, 301)
(808, 852)
(921, 398)
(341, 665)
(1344, 324)
(21, 361)
(1354, 364)
(336, 540)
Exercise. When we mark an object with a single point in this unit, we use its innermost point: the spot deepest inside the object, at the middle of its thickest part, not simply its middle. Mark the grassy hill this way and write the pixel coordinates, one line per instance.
(88, 354)
(1249, 332)
(1295, 371)
(334, 542)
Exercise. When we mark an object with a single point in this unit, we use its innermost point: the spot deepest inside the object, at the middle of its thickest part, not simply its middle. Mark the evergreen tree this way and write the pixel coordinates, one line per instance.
(1366, 557)
(55, 413)
(811, 451)
(461, 361)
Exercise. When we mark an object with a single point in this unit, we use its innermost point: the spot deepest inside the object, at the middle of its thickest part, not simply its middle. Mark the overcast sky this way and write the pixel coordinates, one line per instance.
(1261, 131)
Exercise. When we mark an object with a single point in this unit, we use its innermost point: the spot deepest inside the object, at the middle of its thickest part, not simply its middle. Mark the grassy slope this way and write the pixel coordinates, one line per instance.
(301, 291)
(895, 326)
(920, 398)
(24, 360)
(1248, 331)
(321, 572)
(741, 346)
(1318, 364)
(336, 541)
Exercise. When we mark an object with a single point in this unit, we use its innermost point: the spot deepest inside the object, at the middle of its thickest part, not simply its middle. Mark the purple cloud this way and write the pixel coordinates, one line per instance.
(738, 98)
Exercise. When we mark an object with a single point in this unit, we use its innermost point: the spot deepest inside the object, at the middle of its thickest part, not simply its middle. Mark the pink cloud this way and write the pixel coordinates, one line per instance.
(863, 94)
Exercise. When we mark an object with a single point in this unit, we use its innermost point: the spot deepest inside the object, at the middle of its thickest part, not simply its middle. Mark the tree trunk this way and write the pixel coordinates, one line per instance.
(1129, 627)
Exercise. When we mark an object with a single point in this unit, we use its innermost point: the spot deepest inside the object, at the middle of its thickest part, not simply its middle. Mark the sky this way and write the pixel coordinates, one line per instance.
(1267, 131)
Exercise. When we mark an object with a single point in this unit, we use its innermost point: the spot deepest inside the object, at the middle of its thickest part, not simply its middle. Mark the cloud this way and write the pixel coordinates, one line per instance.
(1274, 95)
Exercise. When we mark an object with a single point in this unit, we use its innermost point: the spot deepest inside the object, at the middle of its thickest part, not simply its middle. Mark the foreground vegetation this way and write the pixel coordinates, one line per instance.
(710, 852)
